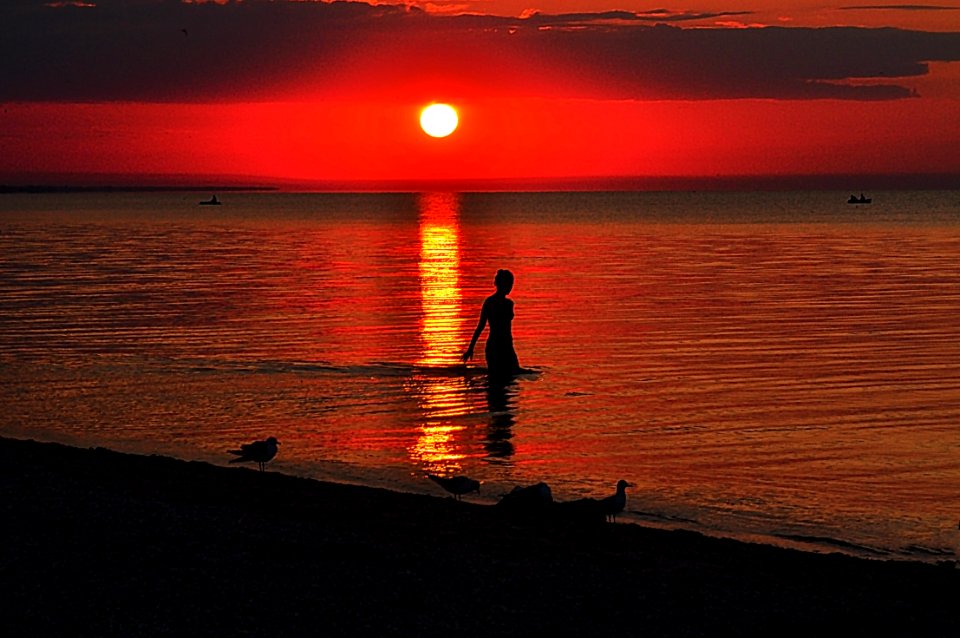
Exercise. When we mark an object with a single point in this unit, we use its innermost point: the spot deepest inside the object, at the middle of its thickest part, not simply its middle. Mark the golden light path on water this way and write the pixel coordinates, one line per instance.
(441, 398)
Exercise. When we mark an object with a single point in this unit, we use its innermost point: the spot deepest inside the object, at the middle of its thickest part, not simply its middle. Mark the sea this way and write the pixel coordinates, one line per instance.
(777, 367)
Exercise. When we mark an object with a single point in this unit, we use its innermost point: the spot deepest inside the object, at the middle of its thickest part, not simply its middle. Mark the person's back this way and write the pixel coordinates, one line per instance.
(500, 315)
(499, 352)
(498, 311)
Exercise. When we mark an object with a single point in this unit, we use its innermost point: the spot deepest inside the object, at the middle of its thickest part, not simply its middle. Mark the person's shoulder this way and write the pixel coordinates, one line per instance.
(497, 303)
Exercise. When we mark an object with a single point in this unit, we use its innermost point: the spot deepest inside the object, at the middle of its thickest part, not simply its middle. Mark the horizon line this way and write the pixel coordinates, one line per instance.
(105, 182)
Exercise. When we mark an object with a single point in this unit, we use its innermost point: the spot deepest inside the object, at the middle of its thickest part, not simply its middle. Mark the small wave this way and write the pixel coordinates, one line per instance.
(663, 518)
(940, 552)
(834, 542)
(252, 367)
(406, 370)
(374, 369)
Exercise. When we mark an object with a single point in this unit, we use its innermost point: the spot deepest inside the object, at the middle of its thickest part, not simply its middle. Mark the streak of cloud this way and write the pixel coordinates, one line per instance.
(898, 7)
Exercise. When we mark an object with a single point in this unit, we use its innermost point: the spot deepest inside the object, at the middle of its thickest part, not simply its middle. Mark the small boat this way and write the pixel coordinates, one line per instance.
(213, 201)
(859, 200)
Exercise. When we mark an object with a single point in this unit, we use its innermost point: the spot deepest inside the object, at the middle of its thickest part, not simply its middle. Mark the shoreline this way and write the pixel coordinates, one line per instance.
(42, 189)
(843, 182)
(106, 543)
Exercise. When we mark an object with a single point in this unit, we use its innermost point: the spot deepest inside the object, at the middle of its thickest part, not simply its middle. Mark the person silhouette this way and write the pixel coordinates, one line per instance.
(497, 310)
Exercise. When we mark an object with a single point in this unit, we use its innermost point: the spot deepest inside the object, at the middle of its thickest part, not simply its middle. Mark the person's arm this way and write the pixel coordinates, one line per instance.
(476, 333)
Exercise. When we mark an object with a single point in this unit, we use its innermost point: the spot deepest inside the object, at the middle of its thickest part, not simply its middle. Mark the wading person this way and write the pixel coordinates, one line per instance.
(497, 310)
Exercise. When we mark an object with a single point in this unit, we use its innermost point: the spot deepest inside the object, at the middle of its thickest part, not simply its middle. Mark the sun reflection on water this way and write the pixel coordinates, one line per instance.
(441, 320)
(441, 395)
(436, 449)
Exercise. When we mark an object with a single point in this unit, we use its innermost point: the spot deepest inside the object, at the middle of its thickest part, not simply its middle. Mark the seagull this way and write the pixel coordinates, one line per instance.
(457, 485)
(258, 451)
(613, 505)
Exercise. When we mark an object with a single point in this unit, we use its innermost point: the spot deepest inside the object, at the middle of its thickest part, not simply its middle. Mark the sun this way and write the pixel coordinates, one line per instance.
(439, 120)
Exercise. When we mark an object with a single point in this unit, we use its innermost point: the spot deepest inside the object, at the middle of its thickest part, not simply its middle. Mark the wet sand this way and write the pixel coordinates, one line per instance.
(100, 543)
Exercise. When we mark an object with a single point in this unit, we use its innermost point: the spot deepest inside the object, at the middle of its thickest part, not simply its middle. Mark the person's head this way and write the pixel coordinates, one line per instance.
(503, 281)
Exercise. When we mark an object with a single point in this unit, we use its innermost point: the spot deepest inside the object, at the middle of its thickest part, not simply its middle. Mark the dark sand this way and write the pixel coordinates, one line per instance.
(106, 544)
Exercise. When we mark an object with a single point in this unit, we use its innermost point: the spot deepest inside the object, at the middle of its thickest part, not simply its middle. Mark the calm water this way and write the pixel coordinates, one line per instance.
(777, 366)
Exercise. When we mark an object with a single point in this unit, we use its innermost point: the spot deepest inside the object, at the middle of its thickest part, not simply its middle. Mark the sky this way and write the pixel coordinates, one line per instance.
(330, 93)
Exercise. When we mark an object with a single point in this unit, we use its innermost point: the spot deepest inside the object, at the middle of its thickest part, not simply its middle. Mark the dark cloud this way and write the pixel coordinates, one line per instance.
(898, 7)
(607, 17)
(165, 50)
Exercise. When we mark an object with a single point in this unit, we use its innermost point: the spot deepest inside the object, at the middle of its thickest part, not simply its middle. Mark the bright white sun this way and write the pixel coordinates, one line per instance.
(439, 120)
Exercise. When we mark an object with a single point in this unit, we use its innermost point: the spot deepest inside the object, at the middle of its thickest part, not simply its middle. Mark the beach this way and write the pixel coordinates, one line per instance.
(103, 543)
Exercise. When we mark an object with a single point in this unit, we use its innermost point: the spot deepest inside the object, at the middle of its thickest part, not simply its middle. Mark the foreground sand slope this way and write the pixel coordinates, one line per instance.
(106, 544)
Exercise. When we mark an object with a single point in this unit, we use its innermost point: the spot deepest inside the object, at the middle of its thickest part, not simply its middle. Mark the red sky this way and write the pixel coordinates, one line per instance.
(573, 89)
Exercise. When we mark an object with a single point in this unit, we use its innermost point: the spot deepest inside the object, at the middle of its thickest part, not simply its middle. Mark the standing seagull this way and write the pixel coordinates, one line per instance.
(613, 505)
(457, 485)
(258, 451)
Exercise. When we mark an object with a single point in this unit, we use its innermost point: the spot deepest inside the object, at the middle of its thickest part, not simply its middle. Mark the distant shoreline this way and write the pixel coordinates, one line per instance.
(38, 189)
(661, 183)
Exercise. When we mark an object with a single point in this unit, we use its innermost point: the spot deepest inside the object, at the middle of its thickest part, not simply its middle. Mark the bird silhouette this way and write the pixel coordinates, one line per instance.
(613, 505)
(456, 485)
(260, 452)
